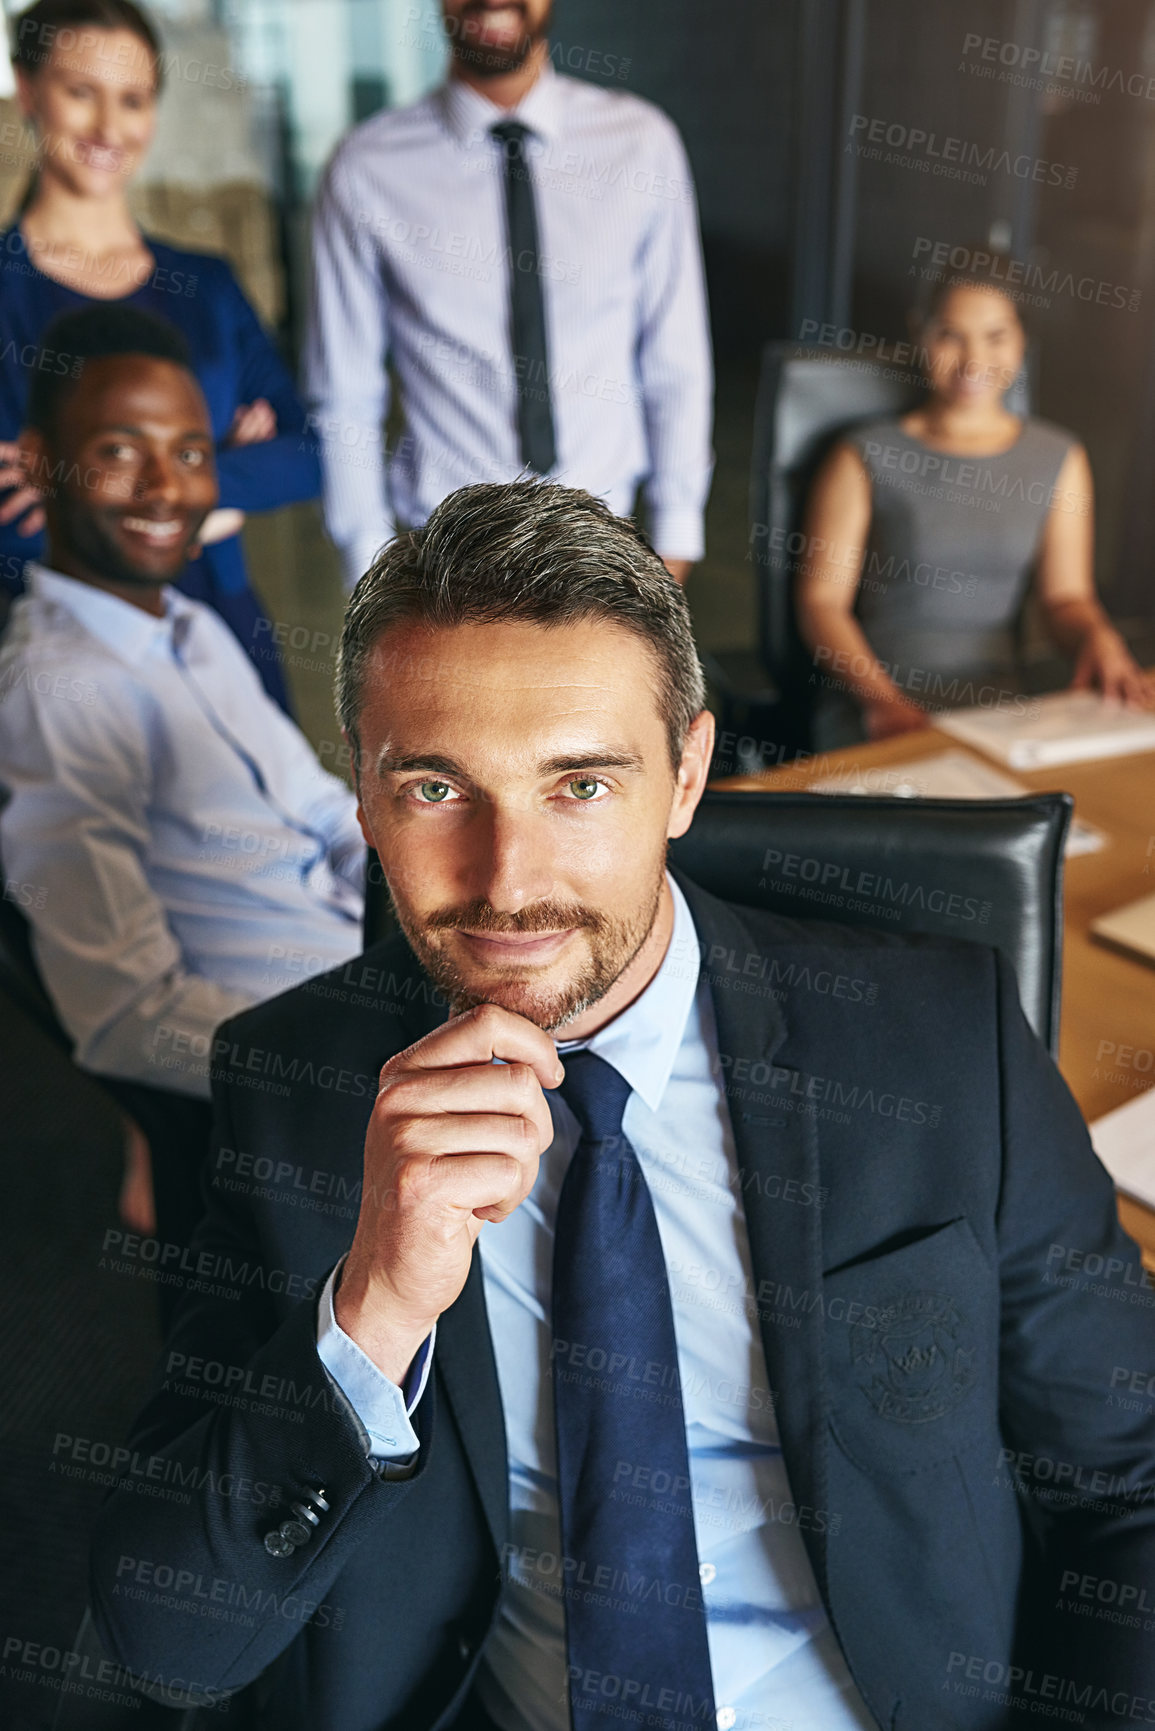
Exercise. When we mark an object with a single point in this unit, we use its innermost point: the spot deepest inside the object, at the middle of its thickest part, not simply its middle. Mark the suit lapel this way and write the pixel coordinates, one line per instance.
(774, 1145)
(464, 1358)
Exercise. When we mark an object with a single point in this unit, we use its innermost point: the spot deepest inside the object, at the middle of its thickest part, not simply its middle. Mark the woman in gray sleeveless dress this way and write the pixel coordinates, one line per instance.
(927, 532)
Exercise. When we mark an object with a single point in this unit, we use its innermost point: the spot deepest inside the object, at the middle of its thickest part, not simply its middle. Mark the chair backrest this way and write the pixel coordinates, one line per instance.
(987, 870)
(807, 398)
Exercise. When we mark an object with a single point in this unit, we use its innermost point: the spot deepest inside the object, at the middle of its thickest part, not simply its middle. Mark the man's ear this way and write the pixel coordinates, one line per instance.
(697, 752)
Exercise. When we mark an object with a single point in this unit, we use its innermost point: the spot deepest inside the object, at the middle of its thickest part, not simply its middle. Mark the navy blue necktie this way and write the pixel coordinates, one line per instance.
(635, 1623)
(526, 305)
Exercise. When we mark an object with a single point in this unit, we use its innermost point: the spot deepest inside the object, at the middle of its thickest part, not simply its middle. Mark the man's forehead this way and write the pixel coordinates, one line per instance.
(595, 660)
(520, 695)
(114, 390)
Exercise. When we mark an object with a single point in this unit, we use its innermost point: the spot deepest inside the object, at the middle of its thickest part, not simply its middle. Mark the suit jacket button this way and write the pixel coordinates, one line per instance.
(278, 1545)
(464, 1647)
(295, 1532)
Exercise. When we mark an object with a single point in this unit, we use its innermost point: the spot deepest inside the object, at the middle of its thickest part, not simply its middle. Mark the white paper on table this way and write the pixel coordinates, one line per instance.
(950, 774)
(1063, 727)
(1124, 1140)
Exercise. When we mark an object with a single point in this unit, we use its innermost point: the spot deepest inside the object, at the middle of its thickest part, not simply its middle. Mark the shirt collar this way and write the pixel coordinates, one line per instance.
(642, 1043)
(128, 631)
(469, 115)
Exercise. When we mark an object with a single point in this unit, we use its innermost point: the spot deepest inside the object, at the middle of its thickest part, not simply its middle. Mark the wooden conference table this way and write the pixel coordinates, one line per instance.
(1107, 1038)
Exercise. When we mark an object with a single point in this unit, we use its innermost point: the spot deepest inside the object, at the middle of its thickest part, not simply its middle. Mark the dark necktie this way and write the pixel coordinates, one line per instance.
(635, 1622)
(526, 304)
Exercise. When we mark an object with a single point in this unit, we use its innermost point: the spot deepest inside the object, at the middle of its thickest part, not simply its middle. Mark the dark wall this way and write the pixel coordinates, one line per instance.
(724, 75)
(1086, 221)
(728, 75)
(915, 78)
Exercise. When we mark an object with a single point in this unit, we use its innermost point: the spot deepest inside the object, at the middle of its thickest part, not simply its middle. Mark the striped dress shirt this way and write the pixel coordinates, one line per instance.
(412, 267)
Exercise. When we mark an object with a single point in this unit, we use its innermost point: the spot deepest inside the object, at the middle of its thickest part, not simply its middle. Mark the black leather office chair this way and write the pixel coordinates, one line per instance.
(807, 398)
(988, 870)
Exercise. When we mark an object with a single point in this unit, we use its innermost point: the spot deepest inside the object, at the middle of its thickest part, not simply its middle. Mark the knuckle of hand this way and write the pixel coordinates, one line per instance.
(514, 1168)
(528, 1133)
(405, 1135)
(411, 1183)
(403, 1092)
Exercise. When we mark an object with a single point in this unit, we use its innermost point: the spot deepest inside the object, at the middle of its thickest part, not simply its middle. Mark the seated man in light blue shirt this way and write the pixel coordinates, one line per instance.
(188, 854)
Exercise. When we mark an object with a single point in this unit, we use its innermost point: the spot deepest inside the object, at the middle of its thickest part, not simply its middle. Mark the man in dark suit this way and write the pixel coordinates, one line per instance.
(647, 1310)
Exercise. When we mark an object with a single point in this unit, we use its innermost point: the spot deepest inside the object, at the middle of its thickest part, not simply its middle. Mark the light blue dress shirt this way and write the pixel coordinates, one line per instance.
(167, 830)
(775, 1660)
(411, 260)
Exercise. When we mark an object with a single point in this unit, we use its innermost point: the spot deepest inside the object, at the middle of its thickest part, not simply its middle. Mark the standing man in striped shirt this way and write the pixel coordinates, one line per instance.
(522, 248)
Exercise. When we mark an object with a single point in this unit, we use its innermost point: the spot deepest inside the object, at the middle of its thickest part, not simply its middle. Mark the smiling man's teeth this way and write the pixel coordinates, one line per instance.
(155, 531)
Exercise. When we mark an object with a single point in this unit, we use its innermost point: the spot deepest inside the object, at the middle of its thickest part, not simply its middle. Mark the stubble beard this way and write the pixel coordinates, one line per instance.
(489, 61)
(612, 946)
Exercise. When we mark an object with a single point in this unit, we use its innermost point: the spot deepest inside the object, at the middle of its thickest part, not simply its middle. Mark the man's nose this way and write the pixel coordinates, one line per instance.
(511, 863)
(159, 478)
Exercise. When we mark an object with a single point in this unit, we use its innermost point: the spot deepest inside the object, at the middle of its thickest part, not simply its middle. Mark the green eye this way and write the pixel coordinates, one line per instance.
(585, 787)
(434, 791)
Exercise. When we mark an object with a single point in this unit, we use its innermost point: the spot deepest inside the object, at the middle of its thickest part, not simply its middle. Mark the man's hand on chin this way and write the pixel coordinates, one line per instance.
(454, 1140)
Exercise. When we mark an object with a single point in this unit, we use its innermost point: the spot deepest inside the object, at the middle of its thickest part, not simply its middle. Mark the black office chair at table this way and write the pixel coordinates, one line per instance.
(807, 399)
(988, 870)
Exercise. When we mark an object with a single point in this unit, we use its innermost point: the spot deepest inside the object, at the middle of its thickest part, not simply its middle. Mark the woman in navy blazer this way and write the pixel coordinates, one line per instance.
(89, 72)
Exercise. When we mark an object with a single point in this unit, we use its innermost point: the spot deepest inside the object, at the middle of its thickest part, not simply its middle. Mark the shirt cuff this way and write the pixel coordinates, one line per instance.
(676, 532)
(380, 1407)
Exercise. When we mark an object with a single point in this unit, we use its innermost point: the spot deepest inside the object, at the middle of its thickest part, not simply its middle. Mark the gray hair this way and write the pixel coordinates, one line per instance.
(532, 551)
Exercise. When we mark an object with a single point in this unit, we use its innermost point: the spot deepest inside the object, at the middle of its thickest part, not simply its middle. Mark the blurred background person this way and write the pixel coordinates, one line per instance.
(925, 535)
(193, 855)
(88, 75)
(523, 249)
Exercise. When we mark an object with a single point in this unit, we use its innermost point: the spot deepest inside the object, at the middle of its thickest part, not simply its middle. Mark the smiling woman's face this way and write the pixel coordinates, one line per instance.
(974, 345)
(93, 102)
(516, 782)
